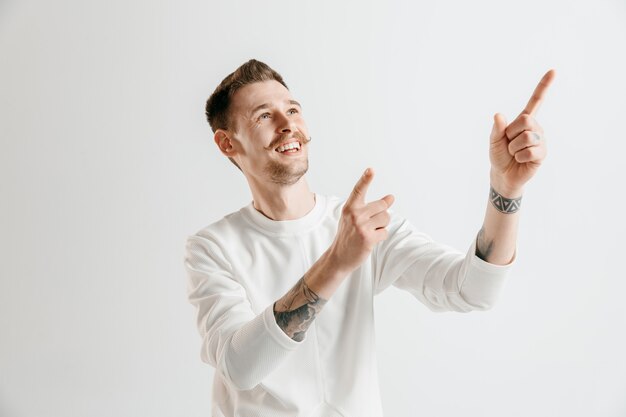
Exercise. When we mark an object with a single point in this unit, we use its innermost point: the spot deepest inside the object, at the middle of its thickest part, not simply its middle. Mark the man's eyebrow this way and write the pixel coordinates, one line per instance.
(257, 108)
(267, 106)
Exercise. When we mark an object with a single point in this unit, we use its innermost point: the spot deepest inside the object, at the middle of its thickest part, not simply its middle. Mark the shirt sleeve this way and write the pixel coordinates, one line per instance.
(243, 346)
(440, 277)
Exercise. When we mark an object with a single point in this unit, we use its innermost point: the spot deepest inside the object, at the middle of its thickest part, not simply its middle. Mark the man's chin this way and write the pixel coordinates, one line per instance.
(287, 174)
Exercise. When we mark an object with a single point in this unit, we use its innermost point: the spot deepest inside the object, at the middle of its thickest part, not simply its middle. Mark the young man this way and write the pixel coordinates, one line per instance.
(284, 287)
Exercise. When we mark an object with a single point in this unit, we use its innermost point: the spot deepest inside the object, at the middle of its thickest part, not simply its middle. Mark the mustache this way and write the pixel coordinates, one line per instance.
(287, 138)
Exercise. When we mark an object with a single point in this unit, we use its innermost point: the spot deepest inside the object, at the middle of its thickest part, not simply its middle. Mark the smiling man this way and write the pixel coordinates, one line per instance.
(284, 288)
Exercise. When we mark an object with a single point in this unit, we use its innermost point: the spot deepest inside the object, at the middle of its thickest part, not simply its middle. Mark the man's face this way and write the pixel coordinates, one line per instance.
(269, 133)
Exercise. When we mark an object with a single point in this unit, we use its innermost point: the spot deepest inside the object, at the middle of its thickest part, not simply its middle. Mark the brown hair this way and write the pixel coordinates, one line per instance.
(217, 106)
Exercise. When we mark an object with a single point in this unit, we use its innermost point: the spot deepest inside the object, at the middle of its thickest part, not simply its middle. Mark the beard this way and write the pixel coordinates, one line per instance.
(289, 173)
(286, 174)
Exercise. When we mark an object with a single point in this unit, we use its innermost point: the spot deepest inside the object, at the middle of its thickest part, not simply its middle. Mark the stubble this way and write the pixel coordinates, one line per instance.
(288, 173)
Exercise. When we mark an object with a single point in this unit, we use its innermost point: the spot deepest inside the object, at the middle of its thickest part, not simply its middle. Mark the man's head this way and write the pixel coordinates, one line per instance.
(252, 114)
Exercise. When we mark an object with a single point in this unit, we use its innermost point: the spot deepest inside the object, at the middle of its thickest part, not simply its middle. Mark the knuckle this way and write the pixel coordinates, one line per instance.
(347, 210)
(528, 136)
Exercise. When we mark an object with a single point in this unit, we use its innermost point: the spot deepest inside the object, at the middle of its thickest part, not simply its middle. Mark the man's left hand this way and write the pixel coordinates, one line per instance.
(517, 150)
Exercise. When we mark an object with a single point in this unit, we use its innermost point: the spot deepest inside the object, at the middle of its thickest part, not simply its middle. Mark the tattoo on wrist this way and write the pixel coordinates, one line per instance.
(484, 247)
(503, 204)
(296, 311)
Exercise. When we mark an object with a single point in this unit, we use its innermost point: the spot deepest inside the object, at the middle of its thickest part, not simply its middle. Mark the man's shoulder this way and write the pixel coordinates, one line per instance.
(228, 225)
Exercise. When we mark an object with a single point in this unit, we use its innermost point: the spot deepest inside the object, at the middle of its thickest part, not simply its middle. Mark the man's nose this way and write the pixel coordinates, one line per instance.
(286, 124)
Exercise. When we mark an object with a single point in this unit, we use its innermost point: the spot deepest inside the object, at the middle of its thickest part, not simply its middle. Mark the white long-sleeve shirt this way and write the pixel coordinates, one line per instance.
(239, 266)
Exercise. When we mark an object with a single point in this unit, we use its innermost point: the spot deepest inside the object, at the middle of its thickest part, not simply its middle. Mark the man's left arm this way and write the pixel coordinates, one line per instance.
(516, 153)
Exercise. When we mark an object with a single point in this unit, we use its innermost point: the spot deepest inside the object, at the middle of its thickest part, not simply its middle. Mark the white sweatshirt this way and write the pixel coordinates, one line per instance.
(239, 266)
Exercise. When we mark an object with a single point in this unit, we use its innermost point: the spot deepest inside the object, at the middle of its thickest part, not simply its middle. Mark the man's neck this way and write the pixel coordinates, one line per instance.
(283, 202)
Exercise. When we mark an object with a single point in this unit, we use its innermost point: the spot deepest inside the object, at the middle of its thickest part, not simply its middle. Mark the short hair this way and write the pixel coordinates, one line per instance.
(218, 105)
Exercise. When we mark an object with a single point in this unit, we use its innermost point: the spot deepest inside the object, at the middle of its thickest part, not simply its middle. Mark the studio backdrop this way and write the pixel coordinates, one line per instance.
(107, 164)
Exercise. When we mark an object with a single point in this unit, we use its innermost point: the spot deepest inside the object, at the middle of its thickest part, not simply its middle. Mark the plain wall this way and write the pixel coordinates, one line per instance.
(107, 164)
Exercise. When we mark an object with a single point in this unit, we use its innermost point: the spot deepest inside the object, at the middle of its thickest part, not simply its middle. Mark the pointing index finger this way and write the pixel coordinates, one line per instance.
(358, 193)
(539, 93)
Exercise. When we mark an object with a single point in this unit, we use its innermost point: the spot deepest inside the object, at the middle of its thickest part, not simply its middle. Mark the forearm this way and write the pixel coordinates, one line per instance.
(496, 240)
(296, 310)
(291, 315)
(360, 228)
(516, 152)
(259, 346)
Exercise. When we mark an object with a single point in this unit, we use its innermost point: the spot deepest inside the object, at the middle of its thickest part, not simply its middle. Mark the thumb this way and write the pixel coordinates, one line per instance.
(360, 189)
(499, 127)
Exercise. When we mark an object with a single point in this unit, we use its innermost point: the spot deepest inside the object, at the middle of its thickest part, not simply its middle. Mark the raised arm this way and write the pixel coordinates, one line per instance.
(516, 153)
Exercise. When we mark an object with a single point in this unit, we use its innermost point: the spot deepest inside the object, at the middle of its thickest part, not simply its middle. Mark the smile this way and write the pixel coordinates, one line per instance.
(291, 147)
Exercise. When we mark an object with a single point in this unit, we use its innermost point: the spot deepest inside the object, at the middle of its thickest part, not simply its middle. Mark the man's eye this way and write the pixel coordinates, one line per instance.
(292, 111)
(264, 116)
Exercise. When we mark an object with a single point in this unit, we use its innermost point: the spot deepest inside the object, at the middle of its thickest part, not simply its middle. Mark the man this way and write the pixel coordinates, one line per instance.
(284, 287)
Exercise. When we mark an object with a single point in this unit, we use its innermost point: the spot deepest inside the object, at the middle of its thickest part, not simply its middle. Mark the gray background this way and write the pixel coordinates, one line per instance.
(107, 164)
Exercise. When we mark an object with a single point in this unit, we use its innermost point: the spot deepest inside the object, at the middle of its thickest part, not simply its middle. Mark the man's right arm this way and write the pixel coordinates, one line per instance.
(245, 347)
(361, 226)
(297, 309)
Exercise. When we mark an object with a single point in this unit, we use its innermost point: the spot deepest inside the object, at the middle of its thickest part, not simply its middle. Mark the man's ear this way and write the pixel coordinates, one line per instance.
(224, 143)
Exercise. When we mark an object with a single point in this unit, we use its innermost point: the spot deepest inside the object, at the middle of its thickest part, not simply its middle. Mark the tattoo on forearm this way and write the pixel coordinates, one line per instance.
(296, 311)
(484, 247)
(503, 204)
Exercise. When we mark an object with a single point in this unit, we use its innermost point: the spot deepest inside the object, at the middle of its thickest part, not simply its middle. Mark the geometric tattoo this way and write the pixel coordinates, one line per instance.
(296, 311)
(483, 247)
(503, 204)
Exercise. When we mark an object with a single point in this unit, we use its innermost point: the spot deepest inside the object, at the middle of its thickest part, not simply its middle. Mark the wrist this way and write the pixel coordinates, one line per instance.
(505, 190)
(325, 277)
(503, 204)
(335, 263)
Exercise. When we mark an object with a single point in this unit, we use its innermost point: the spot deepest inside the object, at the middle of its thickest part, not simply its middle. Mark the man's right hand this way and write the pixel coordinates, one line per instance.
(361, 226)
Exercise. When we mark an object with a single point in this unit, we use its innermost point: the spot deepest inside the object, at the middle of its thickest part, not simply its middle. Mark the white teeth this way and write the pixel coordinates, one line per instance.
(287, 146)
